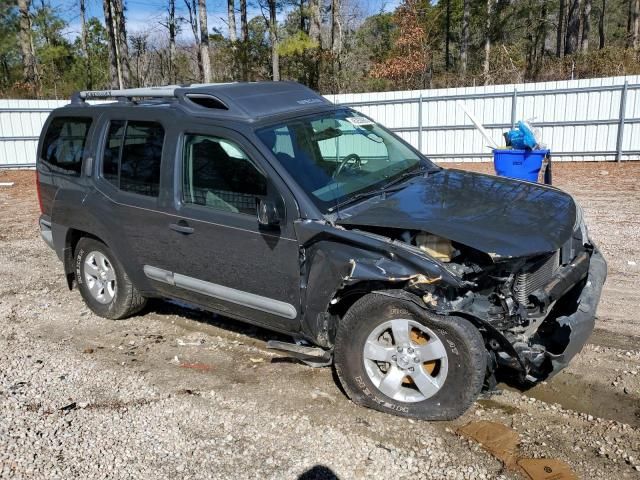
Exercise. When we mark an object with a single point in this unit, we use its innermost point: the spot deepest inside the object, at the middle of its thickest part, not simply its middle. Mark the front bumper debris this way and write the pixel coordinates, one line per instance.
(568, 333)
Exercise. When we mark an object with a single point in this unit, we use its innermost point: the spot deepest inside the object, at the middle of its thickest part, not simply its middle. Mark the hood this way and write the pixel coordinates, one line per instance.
(496, 215)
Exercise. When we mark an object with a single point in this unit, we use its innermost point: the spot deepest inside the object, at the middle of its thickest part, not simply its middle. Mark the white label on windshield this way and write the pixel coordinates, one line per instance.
(359, 121)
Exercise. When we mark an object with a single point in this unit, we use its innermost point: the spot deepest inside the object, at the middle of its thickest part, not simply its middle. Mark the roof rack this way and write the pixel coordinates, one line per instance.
(168, 91)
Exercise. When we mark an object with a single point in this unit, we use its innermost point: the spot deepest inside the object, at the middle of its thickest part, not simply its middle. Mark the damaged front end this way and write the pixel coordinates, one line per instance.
(535, 312)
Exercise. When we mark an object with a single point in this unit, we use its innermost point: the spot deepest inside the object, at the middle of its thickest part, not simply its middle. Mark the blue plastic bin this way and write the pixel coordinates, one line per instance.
(520, 164)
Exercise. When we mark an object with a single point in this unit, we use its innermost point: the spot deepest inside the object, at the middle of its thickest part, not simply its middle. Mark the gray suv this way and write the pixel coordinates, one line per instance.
(266, 203)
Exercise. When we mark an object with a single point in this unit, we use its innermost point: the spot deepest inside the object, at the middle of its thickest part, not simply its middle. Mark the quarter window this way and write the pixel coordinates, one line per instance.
(64, 144)
(132, 156)
(218, 174)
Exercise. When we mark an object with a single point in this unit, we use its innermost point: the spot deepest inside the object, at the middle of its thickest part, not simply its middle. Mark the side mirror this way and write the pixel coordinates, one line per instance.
(267, 212)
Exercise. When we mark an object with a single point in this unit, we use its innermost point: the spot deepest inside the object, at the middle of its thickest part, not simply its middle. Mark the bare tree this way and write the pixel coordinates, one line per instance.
(315, 34)
(171, 25)
(633, 24)
(447, 37)
(572, 43)
(586, 25)
(117, 41)
(204, 41)
(193, 21)
(273, 38)
(84, 43)
(560, 31)
(464, 40)
(114, 70)
(244, 37)
(336, 28)
(123, 46)
(601, 25)
(315, 21)
(231, 13)
(487, 42)
(30, 71)
(336, 43)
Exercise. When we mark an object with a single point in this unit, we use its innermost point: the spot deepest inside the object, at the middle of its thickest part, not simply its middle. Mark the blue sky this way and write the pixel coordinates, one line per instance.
(146, 15)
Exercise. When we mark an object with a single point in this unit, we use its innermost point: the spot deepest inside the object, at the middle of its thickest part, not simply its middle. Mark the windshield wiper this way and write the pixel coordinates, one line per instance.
(389, 187)
(367, 194)
(421, 170)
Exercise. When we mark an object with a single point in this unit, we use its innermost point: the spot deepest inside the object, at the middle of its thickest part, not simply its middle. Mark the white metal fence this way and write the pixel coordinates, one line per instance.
(596, 119)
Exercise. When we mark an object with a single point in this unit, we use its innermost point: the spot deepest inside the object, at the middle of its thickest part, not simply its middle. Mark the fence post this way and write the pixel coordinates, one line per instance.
(621, 118)
(514, 101)
(420, 123)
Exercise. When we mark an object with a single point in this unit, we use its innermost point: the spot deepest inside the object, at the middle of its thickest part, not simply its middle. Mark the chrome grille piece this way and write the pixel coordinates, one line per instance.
(529, 281)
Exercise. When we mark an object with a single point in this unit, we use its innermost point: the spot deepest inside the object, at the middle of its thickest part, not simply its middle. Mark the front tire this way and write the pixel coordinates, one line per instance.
(103, 283)
(393, 356)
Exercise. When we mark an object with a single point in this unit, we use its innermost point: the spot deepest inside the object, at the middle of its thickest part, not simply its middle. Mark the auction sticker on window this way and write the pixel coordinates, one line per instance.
(359, 121)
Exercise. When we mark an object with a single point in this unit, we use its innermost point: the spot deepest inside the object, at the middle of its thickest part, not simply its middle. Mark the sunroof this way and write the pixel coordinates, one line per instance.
(206, 101)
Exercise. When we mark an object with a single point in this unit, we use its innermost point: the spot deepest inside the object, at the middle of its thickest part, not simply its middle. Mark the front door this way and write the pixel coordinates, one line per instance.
(218, 255)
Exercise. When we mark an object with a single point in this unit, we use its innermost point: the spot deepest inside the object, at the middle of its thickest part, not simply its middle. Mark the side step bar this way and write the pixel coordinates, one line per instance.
(312, 356)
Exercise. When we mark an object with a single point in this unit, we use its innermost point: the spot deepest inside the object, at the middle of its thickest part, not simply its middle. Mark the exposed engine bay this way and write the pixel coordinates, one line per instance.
(524, 305)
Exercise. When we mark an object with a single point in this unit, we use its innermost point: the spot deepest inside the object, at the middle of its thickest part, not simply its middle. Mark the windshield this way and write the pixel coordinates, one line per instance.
(339, 155)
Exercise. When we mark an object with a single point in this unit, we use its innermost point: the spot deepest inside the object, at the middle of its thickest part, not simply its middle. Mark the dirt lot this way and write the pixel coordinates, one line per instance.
(179, 393)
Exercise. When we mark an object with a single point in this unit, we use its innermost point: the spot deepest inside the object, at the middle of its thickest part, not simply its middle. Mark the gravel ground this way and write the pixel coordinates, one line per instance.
(180, 393)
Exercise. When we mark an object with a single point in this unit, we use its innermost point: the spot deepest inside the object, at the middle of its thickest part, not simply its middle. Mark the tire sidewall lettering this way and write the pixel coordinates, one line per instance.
(79, 258)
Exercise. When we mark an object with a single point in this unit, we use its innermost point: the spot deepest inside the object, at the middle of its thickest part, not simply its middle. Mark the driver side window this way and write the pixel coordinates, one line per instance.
(216, 173)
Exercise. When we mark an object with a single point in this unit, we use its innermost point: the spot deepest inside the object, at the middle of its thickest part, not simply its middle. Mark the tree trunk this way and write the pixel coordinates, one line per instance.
(172, 41)
(601, 25)
(447, 37)
(336, 28)
(193, 21)
(314, 22)
(231, 13)
(586, 25)
(634, 40)
(487, 42)
(114, 71)
(84, 43)
(123, 47)
(541, 36)
(560, 31)
(204, 41)
(464, 40)
(244, 37)
(629, 17)
(336, 43)
(315, 34)
(30, 71)
(273, 38)
(572, 44)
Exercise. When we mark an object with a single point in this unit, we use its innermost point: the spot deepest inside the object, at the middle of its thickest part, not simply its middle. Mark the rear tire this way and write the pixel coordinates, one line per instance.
(103, 283)
(393, 356)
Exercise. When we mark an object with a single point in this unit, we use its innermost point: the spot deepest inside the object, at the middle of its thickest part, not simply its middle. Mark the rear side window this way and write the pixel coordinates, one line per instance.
(64, 144)
(132, 155)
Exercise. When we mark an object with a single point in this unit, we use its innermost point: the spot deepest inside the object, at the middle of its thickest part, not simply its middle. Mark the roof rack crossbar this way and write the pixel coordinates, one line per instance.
(168, 91)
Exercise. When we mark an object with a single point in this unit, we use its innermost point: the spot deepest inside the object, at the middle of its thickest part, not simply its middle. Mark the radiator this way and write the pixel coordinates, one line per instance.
(529, 281)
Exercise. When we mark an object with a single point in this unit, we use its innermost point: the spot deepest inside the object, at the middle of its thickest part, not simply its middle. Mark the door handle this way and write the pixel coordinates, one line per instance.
(182, 227)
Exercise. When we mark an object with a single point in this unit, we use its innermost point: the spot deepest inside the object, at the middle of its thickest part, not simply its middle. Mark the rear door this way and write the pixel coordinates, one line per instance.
(129, 190)
(217, 255)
